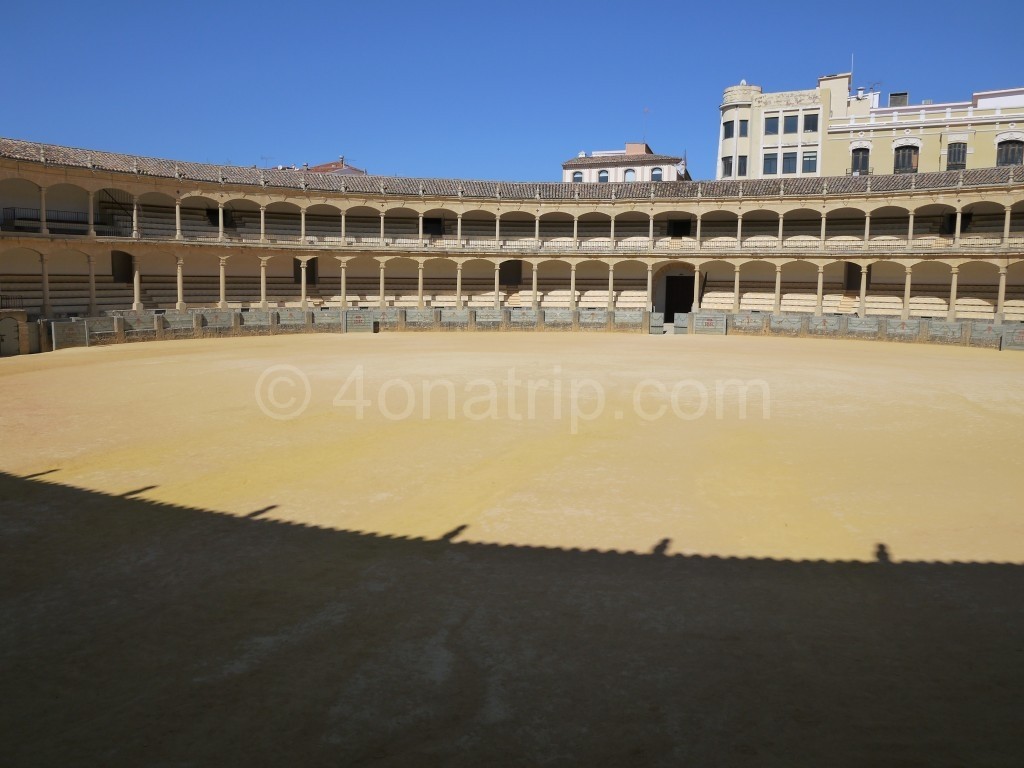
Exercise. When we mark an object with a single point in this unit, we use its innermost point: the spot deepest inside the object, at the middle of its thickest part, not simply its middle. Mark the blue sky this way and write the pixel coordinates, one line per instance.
(458, 89)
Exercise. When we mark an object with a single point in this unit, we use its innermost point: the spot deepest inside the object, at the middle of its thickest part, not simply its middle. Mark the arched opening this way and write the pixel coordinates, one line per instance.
(67, 210)
(19, 206)
(577, 177)
(718, 229)
(401, 281)
(656, 174)
(553, 284)
(675, 229)
(478, 229)
(199, 217)
(156, 216)
(362, 224)
(594, 230)
(673, 289)
(1017, 223)
(402, 226)
(718, 283)
(977, 290)
(844, 229)
(1013, 309)
(799, 287)
(629, 175)
(517, 230)
(283, 222)
(556, 231)
(889, 227)
(113, 212)
(632, 230)
(242, 220)
(930, 287)
(761, 229)
(602, 177)
(757, 286)
(323, 223)
(981, 225)
(801, 229)
(440, 225)
(933, 222)
(591, 284)
(630, 284)
(905, 159)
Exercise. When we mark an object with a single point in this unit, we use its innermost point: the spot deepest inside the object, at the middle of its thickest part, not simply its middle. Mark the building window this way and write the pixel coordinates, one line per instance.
(956, 156)
(629, 175)
(656, 174)
(577, 176)
(1010, 153)
(789, 123)
(905, 160)
(859, 160)
(789, 162)
(771, 165)
(726, 166)
(727, 129)
(741, 165)
(811, 123)
(810, 162)
(744, 127)
(771, 126)
(602, 177)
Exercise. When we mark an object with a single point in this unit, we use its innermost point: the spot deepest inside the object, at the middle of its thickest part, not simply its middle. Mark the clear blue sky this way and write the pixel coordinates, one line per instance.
(459, 89)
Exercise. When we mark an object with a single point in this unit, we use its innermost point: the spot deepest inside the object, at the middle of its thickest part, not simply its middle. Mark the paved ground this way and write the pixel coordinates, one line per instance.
(608, 566)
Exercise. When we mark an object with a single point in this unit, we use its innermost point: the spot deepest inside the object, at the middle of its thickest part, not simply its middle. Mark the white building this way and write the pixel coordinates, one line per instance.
(637, 162)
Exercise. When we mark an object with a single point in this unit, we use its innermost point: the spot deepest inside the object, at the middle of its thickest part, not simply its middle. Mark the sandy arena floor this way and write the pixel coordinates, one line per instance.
(830, 578)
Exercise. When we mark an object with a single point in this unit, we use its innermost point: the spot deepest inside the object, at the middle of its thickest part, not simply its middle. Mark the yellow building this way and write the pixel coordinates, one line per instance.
(832, 130)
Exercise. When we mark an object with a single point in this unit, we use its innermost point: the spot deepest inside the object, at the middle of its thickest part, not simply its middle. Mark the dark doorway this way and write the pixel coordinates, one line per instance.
(8, 337)
(678, 295)
(680, 227)
(510, 272)
(433, 227)
(121, 266)
(311, 271)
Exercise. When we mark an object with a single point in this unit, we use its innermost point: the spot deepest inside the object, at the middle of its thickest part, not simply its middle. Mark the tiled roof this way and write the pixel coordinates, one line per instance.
(616, 161)
(292, 178)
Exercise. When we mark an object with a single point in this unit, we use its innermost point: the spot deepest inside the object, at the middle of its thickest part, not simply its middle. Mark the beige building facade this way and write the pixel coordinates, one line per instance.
(834, 130)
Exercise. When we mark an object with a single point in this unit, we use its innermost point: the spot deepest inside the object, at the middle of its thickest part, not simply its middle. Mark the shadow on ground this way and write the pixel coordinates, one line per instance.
(134, 633)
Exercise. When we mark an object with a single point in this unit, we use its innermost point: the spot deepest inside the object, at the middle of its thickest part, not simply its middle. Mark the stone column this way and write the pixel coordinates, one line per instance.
(1006, 224)
(220, 221)
(421, 230)
(698, 231)
(611, 286)
(343, 228)
(458, 286)
(302, 273)
(650, 234)
(45, 275)
(910, 230)
(497, 287)
(177, 219)
(92, 283)
(180, 283)
(383, 302)
(951, 315)
(458, 230)
(739, 231)
(650, 287)
(344, 284)
(497, 231)
(905, 314)
(136, 234)
(419, 285)
(1001, 296)
(43, 229)
(819, 298)
(862, 310)
(777, 305)
(824, 231)
(572, 287)
(611, 237)
(263, 223)
(263, 283)
(956, 232)
(223, 303)
(92, 215)
(696, 290)
(781, 220)
(382, 227)
(576, 232)
(536, 298)
(867, 230)
(302, 225)
(736, 288)
(536, 231)
(136, 285)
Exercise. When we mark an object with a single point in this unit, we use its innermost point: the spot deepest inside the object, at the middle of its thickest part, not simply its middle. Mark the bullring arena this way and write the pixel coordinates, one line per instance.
(744, 497)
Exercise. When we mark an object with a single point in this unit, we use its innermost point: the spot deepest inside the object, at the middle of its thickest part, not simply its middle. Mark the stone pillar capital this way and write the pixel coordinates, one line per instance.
(954, 270)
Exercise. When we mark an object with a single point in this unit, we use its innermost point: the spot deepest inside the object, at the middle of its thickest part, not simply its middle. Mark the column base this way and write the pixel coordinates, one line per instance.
(137, 306)
(222, 305)
(264, 305)
(180, 306)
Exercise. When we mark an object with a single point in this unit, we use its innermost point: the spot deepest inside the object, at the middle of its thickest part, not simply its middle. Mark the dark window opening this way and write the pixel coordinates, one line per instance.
(726, 166)
(771, 165)
(577, 176)
(771, 126)
(905, 160)
(680, 227)
(602, 177)
(789, 162)
(1010, 153)
(789, 123)
(859, 159)
(510, 272)
(956, 156)
(744, 127)
(727, 129)
(433, 227)
(656, 174)
(811, 123)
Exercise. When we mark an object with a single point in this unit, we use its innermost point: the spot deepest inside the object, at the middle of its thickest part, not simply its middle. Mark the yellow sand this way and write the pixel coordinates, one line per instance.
(914, 447)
